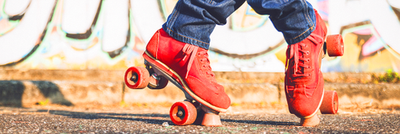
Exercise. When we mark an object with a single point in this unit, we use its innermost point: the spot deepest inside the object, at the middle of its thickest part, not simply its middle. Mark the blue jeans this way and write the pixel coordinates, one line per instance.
(192, 21)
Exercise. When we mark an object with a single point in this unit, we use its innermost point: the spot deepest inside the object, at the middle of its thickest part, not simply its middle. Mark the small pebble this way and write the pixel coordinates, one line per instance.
(165, 124)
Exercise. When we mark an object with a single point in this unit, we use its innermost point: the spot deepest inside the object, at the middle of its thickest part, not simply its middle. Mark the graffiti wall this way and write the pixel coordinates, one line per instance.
(111, 35)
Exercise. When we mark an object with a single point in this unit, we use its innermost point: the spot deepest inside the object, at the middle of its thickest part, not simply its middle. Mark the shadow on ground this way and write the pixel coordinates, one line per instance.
(149, 118)
(12, 92)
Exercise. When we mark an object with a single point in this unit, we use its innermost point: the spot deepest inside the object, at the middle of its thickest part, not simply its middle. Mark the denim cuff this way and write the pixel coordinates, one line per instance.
(290, 40)
(302, 25)
(186, 39)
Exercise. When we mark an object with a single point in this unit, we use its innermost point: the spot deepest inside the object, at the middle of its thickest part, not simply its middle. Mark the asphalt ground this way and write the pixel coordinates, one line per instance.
(155, 119)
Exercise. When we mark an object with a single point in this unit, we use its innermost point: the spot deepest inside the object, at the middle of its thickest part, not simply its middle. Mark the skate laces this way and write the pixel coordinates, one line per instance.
(302, 67)
(205, 63)
(191, 51)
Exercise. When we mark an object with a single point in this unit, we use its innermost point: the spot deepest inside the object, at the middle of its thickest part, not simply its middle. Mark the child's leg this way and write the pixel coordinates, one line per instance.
(179, 50)
(193, 21)
(294, 18)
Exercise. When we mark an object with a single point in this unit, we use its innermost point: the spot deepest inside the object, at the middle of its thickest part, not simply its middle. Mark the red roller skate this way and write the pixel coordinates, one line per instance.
(304, 83)
(188, 67)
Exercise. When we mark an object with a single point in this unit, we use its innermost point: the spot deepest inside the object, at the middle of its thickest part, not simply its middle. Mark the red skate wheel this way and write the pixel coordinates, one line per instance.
(183, 113)
(157, 82)
(330, 103)
(136, 77)
(334, 45)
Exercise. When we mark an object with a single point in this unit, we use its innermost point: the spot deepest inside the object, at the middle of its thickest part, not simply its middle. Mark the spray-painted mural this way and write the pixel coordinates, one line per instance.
(111, 35)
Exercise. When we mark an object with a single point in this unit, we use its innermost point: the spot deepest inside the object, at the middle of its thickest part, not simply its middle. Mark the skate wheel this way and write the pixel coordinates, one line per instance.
(334, 45)
(136, 77)
(157, 82)
(330, 103)
(183, 113)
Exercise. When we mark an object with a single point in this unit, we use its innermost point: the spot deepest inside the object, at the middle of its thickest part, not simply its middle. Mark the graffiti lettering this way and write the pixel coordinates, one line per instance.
(99, 34)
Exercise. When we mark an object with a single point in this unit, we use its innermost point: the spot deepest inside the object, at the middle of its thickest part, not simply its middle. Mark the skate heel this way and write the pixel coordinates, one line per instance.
(211, 118)
(310, 122)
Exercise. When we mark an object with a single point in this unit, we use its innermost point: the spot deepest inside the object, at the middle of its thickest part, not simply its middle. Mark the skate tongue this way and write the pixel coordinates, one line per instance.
(313, 37)
(189, 50)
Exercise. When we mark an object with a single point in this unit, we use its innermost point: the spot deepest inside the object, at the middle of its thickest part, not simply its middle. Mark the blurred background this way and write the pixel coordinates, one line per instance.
(73, 52)
(111, 35)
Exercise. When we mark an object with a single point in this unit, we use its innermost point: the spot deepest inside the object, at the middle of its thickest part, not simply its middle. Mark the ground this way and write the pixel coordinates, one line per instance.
(154, 118)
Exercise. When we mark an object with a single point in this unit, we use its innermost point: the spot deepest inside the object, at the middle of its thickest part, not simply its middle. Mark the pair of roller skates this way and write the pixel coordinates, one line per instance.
(187, 66)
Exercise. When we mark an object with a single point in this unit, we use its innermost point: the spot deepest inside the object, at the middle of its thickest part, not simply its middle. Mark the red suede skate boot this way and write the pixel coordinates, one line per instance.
(189, 67)
(303, 78)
